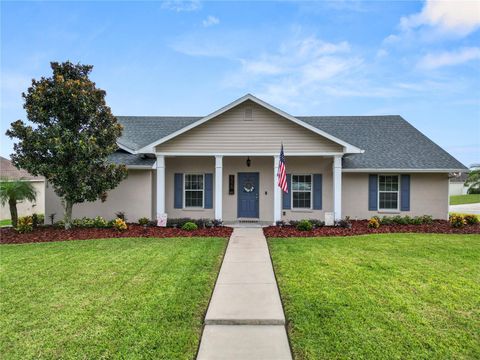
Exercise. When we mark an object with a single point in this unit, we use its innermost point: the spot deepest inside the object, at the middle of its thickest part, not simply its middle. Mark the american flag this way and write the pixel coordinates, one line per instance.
(282, 172)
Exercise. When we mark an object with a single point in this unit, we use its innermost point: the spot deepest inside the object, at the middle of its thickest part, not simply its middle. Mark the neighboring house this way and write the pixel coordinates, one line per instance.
(457, 183)
(8, 171)
(223, 166)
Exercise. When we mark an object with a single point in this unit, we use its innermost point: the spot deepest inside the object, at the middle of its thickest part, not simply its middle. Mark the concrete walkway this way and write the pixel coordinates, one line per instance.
(245, 318)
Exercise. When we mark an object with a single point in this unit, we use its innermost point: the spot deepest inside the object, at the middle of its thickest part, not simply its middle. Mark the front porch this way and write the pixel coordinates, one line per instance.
(242, 188)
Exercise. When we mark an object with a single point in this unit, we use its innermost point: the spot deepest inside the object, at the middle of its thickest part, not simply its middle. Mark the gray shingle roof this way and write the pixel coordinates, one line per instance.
(390, 142)
(123, 157)
(139, 131)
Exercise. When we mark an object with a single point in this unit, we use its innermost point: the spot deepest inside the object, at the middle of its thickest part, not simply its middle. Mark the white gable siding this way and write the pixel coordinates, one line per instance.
(231, 133)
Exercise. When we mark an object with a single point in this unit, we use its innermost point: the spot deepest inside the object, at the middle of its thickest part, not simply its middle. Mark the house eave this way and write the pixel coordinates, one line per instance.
(399, 170)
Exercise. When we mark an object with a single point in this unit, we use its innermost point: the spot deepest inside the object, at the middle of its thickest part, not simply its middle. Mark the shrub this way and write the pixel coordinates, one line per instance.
(217, 223)
(427, 219)
(144, 221)
(38, 219)
(177, 223)
(471, 219)
(294, 223)
(84, 222)
(386, 220)
(417, 220)
(201, 223)
(304, 225)
(24, 224)
(121, 215)
(120, 224)
(100, 222)
(279, 223)
(316, 223)
(344, 223)
(52, 218)
(60, 224)
(190, 226)
(374, 223)
(457, 221)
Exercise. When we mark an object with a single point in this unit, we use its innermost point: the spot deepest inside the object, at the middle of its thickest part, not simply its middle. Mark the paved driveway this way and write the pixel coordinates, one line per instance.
(466, 208)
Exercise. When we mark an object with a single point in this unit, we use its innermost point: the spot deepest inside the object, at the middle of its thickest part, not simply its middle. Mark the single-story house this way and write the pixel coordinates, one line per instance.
(224, 166)
(457, 183)
(24, 208)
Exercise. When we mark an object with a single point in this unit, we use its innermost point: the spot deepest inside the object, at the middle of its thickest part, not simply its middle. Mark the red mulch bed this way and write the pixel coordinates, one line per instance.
(360, 228)
(49, 233)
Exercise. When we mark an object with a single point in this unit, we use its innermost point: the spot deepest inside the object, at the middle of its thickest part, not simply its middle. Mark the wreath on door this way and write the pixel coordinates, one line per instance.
(248, 187)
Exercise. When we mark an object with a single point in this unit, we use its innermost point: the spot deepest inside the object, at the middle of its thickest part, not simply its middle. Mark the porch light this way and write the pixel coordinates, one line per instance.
(249, 162)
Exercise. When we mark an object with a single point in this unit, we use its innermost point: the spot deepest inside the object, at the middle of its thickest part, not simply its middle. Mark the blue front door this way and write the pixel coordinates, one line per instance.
(248, 195)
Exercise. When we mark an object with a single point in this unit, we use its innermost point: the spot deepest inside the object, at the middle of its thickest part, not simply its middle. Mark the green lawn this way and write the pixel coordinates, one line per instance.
(109, 298)
(5, 222)
(464, 199)
(390, 296)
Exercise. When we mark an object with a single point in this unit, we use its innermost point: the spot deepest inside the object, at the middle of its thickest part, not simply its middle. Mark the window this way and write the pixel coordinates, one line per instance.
(194, 190)
(388, 186)
(301, 191)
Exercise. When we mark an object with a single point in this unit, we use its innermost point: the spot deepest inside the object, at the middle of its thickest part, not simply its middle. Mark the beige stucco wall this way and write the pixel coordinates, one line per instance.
(312, 165)
(192, 165)
(132, 196)
(25, 208)
(428, 196)
(231, 133)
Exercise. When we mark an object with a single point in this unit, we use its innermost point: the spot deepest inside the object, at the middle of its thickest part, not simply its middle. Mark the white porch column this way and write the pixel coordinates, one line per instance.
(160, 185)
(277, 193)
(337, 187)
(218, 186)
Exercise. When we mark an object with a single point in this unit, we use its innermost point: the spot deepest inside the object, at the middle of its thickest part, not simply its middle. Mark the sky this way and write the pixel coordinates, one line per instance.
(417, 59)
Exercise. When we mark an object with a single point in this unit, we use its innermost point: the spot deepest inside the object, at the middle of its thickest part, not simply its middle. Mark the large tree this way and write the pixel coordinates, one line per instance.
(74, 132)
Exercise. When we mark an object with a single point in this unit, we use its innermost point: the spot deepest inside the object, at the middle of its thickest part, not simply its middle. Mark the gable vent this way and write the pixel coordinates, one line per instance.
(248, 115)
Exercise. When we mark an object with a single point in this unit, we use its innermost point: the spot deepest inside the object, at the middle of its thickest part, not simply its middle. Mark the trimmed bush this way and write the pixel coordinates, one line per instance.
(471, 219)
(100, 222)
(457, 221)
(120, 224)
(294, 223)
(344, 223)
(304, 225)
(178, 223)
(189, 226)
(316, 223)
(38, 219)
(374, 223)
(24, 224)
(143, 221)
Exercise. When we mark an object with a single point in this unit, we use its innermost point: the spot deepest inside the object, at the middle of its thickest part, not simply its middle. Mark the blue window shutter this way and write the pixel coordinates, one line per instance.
(372, 192)
(178, 196)
(208, 195)
(317, 191)
(405, 193)
(287, 197)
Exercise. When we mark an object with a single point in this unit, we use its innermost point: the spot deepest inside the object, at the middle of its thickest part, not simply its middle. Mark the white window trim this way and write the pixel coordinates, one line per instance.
(185, 192)
(291, 193)
(378, 193)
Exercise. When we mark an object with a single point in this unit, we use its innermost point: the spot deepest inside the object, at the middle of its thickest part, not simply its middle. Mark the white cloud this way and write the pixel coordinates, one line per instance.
(210, 21)
(449, 58)
(181, 5)
(459, 17)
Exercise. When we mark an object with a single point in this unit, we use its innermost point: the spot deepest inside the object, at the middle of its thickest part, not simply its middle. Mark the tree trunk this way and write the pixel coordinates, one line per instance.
(68, 214)
(13, 212)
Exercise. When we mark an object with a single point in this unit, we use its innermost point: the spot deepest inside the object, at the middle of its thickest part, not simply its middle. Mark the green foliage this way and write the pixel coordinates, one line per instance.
(100, 222)
(471, 219)
(24, 224)
(73, 134)
(13, 192)
(178, 222)
(189, 226)
(473, 180)
(457, 221)
(38, 219)
(304, 225)
(316, 223)
(143, 221)
(406, 220)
